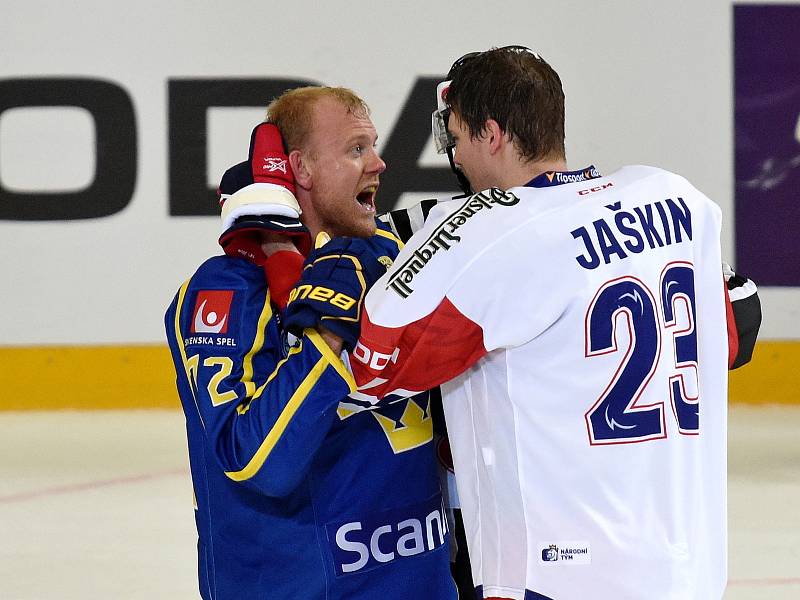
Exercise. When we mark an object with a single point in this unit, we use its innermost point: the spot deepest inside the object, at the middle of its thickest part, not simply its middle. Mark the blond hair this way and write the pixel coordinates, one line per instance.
(292, 111)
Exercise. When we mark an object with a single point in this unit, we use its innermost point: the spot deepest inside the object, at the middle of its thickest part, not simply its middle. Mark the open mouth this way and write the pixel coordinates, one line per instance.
(366, 198)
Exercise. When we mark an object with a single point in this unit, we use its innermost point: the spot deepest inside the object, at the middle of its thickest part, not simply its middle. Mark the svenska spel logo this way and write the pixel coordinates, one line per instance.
(211, 311)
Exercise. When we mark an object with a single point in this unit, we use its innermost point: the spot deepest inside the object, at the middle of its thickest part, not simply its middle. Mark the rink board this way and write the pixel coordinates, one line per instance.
(142, 376)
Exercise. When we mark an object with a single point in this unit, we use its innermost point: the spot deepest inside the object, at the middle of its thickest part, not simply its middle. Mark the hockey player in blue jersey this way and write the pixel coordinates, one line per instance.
(300, 492)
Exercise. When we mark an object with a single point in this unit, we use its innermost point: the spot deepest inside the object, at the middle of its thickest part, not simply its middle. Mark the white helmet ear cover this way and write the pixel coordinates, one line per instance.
(441, 94)
(441, 136)
(259, 199)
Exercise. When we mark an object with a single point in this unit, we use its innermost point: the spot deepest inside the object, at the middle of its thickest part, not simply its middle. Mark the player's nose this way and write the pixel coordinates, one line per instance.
(376, 164)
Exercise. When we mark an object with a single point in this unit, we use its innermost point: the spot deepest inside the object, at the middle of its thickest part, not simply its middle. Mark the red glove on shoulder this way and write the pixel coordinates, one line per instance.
(282, 270)
(258, 195)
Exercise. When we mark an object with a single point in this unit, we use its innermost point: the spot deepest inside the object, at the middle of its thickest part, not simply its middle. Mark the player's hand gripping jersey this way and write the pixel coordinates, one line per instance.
(298, 495)
(581, 321)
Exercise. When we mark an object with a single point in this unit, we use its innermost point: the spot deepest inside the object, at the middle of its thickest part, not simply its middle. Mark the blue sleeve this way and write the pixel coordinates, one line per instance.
(264, 411)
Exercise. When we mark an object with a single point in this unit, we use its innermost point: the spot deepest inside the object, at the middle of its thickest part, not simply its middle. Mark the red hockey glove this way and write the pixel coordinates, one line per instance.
(258, 195)
(283, 270)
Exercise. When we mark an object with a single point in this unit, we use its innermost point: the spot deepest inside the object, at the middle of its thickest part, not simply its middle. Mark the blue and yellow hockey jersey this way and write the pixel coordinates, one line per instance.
(300, 494)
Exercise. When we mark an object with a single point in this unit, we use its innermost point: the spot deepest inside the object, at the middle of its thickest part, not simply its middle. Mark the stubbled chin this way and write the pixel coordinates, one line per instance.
(369, 227)
(363, 227)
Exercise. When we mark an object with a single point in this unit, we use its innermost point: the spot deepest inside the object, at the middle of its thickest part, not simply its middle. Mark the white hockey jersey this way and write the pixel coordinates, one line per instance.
(579, 323)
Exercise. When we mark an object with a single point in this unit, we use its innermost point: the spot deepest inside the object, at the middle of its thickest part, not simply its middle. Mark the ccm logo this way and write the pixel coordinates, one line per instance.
(322, 294)
(377, 361)
(599, 188)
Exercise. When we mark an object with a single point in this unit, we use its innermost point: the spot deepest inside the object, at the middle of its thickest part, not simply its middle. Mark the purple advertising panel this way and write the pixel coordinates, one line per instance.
(767, 142)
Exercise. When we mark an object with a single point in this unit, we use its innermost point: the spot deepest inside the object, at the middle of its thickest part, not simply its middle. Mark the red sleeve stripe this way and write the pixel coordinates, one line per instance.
(417, 356)
(733, 334)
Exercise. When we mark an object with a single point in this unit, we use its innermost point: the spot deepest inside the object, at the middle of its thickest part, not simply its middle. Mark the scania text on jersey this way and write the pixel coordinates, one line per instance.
(382, 537)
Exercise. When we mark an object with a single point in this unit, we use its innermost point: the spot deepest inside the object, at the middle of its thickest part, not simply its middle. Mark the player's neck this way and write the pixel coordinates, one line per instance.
(309, 216)
(520, 173)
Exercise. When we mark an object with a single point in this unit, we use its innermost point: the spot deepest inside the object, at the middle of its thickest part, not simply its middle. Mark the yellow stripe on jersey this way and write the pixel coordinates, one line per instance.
(344, 413)
(192, 381)
(258, 343)
(246, 406)
(390, 236)
(281, 423)
(335, 361)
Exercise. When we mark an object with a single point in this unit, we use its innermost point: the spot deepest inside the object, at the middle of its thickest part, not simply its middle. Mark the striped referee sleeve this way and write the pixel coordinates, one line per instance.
(405, 222)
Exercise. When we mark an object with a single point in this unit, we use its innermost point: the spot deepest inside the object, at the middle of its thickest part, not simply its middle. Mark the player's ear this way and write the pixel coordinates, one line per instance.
(302, 169)
(494, 135)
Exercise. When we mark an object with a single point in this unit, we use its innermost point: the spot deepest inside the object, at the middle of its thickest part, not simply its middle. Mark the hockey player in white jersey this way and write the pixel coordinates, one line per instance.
(577, 323)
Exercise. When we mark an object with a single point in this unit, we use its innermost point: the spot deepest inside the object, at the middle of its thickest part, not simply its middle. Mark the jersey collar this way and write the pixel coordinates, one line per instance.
(551, 178)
